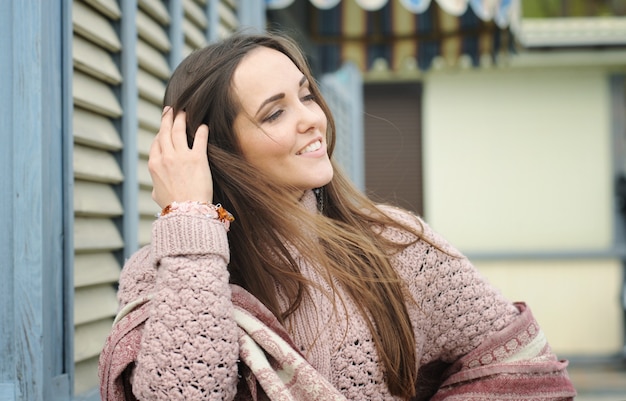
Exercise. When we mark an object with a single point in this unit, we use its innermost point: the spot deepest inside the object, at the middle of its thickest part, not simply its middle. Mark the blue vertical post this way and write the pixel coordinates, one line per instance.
(67, 110)
(129, 94)
(213, 15)
(354, 83)
(251, 15)
(8, 383)
(177, 36)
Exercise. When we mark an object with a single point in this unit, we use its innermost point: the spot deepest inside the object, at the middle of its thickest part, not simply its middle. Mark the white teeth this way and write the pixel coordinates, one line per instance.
(311, 148)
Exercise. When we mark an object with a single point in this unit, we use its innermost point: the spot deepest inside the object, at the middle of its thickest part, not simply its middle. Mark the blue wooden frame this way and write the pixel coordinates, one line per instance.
(214, 20)
(251, 15)
(67, 111)
(344, 88)
(129, 93)
(37, 185)
(176, 34)
(33, 288)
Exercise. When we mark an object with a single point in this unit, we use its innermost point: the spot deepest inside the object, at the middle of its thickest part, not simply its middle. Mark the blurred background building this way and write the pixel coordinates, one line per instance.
(505, 128)
(501, 122)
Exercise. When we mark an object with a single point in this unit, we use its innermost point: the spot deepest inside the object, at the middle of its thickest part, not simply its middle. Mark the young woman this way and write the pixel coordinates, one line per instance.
(376, 303)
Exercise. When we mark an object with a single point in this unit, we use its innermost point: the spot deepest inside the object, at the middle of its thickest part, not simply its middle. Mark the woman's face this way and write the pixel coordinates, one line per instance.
(281, 129)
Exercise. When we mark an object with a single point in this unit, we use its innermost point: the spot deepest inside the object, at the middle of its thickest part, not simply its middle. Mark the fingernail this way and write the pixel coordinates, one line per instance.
(166, 109)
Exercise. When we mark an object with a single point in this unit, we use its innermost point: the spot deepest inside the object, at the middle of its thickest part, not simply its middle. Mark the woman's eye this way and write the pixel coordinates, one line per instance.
(308, 97)
(274, 116)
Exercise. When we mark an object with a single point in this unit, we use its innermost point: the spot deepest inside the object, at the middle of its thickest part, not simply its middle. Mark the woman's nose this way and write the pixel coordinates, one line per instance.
(311, 116)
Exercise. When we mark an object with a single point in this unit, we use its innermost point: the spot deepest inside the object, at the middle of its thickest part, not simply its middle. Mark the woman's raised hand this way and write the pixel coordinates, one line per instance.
(179, 173)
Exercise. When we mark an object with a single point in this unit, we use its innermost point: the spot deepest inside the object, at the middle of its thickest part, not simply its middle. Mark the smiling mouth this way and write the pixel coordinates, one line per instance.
(311, 148)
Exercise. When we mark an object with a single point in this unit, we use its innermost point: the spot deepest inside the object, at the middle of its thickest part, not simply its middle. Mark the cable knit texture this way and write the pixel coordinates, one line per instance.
(189, 348)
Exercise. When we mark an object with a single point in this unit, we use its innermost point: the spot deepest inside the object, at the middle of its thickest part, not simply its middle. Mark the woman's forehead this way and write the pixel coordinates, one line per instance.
(265, 61)
(264, 71)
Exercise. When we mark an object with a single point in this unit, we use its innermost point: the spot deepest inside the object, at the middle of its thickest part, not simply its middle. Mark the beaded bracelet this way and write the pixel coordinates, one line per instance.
(203, 208)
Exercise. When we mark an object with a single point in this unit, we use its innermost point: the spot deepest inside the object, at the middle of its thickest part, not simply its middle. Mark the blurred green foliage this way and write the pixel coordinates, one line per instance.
(572, 8)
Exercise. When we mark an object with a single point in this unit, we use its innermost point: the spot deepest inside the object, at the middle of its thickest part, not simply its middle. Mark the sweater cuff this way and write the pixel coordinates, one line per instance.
(188, 234)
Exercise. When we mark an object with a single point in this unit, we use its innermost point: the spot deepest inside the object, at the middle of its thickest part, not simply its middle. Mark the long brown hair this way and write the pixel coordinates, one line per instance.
(350, 250)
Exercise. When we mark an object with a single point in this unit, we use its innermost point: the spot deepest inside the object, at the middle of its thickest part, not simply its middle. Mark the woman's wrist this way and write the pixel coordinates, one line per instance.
(205, 209)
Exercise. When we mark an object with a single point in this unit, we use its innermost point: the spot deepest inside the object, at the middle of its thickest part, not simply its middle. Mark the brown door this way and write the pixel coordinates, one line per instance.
(393, 145)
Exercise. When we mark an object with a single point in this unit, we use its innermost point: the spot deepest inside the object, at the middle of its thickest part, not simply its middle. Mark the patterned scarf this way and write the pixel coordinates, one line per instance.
(271, 367)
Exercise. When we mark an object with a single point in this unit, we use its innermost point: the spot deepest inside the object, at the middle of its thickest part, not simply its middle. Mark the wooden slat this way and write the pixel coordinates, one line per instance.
(92, 25)
(156, 9)
(232, 4)
(228, 16)
(153, 33)
(193, 35)
(95, 61)
(96, 199)
(224, 31)
(149, 115)
(94, 303)
(143, 174)
(150, 87)
(94, 46)
(94, 234)
(145, 231)
(195, 13)
(106, 7)
(147, 206)
(95, 95)
(96, 165)
(89, 338)
(95, 268)
(150, 59)
(86, 375)
(95, 130)
(153, 72)
(144, 141)
(187, 50)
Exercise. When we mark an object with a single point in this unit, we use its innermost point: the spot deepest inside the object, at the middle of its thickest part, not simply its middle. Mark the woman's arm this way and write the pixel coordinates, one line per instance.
(513, 363)
(493, 347)
(189, 347)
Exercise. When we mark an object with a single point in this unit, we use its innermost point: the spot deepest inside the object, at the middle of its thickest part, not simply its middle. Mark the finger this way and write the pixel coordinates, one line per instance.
(164, 135)
(179, 132)
(201, 139)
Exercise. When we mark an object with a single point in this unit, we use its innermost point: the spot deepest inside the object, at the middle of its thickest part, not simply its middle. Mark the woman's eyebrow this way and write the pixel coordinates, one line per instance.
(270, 100)
(278, 96)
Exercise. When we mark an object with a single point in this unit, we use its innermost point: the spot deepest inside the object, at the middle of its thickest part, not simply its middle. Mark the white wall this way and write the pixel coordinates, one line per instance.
(576, 302)
(518, 160)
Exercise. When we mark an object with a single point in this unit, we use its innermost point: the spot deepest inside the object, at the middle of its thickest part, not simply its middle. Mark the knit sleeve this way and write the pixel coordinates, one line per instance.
(189, 348)
(457, 309)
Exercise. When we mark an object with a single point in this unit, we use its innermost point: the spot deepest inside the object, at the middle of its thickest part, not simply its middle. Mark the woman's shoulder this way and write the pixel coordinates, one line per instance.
(410, 224)
(402, 218)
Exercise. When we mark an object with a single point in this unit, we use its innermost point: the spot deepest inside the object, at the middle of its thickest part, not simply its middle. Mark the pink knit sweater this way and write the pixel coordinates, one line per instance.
(189, 348)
